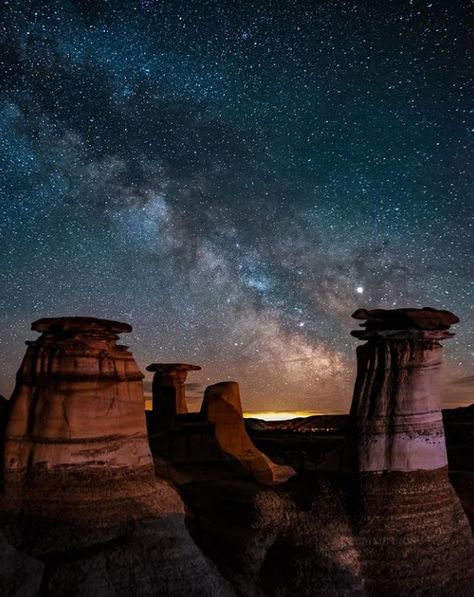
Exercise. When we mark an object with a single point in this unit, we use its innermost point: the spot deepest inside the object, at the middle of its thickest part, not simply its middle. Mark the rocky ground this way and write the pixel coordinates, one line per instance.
(318, 534)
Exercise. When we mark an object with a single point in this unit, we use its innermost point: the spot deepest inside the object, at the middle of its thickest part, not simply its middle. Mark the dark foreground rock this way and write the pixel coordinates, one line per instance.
(154, 557)
(326, 534)
(20, 574)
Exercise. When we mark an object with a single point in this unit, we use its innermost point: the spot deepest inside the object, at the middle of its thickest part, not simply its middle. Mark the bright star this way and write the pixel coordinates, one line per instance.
(360, 290)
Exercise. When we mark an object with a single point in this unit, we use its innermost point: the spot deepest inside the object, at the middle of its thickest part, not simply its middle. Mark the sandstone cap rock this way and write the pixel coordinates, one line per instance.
(426, 318)
(80, 324)
(169, 367)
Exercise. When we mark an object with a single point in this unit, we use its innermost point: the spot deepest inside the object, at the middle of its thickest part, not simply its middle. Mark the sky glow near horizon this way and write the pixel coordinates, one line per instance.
(235, 179)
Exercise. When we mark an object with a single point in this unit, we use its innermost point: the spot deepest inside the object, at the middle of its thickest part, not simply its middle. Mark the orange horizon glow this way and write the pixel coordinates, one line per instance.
(284, 415)
(271, 415)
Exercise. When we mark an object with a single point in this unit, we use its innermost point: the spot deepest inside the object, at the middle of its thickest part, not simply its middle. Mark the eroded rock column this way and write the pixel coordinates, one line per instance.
(78, 399)
(222, 407)
(79, 485)
(396, 410)
(169, 397)
(77, 422)
(411, 532)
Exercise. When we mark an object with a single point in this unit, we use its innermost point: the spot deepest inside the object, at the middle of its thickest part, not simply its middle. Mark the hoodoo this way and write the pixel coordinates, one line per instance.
(169, 397)
(79, 472)
(78, 399)
(412, 533)
(396, 411)
(76, 413)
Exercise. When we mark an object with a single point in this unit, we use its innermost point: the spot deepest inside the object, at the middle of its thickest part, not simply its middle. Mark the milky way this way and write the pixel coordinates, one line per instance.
(234, 179)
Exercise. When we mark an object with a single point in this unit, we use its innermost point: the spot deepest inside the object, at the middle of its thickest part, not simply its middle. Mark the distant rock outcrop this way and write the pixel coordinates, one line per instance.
(215, 434)
(169, 398)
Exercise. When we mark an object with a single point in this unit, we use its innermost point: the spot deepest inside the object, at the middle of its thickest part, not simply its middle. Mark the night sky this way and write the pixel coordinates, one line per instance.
(234, 179)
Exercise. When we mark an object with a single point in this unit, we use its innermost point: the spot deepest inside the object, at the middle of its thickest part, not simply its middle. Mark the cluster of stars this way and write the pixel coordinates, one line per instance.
(234, 180)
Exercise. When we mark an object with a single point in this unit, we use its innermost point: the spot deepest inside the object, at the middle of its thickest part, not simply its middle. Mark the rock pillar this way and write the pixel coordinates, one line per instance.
(411, 532)
(396, 420)
(77, 420)
(78, 399)
(169, 398)
(79, 485)
(222, 407)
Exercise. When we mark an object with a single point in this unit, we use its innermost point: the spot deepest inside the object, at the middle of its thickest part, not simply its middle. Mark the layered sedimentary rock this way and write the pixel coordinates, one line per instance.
(79, 476)
(76, 410)
(222, 407)
(412, 534)
(78, 400)
(396, 415)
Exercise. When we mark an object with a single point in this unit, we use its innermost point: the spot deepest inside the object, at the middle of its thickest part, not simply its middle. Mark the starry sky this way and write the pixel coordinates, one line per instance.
(234, 179)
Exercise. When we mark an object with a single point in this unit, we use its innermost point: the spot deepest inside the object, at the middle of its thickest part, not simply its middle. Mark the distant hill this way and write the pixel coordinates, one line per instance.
(332, 423)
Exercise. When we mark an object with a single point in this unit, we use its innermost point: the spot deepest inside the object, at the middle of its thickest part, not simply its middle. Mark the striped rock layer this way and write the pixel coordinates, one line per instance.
(78, 400)
(396, 410)
(412, 535)
(76, 414)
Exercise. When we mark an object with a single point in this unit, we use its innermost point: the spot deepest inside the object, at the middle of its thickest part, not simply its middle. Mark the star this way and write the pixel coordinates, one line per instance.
(232, 182)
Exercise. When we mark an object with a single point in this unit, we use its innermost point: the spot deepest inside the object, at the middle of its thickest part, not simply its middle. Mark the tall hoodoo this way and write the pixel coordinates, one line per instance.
(412, 534)
(396, 410)
(78, 399)
(77, 419)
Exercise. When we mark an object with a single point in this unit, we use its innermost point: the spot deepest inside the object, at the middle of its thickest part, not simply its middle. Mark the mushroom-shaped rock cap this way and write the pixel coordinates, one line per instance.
(80, 324)
(403, 319)
(168, 367)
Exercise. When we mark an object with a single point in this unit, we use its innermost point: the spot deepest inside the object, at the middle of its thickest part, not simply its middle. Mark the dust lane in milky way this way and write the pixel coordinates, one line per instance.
(234, 179)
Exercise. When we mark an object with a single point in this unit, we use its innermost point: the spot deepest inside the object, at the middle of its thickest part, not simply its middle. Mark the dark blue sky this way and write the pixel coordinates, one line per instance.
(235, 178)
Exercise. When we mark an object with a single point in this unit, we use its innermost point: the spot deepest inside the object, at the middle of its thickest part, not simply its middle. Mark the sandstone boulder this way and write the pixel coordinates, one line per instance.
(222, 407)
(401, 319)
